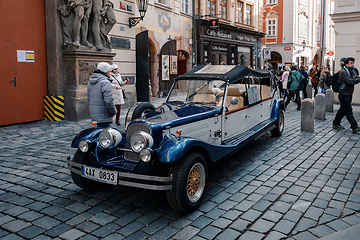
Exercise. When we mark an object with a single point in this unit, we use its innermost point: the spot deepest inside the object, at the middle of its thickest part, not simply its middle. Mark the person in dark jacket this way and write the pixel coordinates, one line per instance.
(347, 78)
(305, 82)
(101, 102)
(293, 83)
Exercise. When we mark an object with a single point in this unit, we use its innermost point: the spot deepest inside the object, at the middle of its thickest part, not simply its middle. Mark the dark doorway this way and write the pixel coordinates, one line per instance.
(142, 67)
(168, 52)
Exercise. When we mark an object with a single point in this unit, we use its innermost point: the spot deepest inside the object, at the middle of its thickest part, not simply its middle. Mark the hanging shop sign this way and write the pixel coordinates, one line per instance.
(165, 67)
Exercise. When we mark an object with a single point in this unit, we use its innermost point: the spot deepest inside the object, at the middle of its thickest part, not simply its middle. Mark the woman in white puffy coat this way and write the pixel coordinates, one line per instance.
(117, 90)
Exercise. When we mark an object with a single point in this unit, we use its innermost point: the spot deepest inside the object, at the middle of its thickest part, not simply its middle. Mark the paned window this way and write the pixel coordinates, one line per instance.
(239, 12)
(248, 14)
(303, 27)
(164, 2)
(185, 6)
(223, 9)
(269, 2)
(271, 27)
(319, 5)
(318, 30)
(332, 37)
(211, 7)
(304, 2)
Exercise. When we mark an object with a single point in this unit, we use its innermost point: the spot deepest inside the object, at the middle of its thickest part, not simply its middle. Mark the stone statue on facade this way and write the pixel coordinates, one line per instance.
(78, 16)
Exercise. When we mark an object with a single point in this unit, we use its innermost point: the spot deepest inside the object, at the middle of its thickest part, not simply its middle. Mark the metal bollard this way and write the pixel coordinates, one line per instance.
(320, 106)
(307, 115)
(329, 99)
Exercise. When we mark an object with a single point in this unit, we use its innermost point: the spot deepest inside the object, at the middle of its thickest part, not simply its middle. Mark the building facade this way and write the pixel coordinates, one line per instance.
(346, 18)
(227, 30)
(299, 32)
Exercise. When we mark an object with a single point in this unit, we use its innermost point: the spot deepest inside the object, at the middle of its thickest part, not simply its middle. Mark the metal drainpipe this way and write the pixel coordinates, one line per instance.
(322, 33)
(193, 35)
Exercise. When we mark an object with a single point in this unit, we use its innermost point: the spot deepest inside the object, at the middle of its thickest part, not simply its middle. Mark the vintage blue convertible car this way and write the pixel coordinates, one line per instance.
(209, 113)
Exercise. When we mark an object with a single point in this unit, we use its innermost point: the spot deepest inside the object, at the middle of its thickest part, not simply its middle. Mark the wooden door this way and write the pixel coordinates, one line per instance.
(23, 44)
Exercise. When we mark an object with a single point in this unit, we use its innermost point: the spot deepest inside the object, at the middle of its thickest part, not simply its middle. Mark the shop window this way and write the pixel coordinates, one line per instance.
(271, 25)
(164, 2)
(185, 6)
(270, 2)
(223, 8)
(248, 11)
(211, 7)
(239, 11)
(244, 56)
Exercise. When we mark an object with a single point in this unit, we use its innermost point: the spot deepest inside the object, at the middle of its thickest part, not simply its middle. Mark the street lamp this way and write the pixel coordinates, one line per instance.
(142, 7)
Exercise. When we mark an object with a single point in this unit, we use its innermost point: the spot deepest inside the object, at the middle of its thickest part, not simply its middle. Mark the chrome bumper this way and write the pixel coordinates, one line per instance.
(132, 179)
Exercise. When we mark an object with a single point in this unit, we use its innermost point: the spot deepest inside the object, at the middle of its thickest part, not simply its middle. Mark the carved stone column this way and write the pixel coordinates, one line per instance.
(79, 65)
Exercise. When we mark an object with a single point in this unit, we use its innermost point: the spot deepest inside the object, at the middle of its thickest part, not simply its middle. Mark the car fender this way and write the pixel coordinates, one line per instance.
(173, 148)
(278, 104)
(91, 134)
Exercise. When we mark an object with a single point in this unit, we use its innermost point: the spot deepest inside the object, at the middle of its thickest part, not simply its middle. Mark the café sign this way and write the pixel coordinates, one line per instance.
(234, 36)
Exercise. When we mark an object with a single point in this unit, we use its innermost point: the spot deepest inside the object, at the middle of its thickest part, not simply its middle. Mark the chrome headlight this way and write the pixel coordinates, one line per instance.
(145, 155)
(140, 141)
(109, 138)
(84, 145)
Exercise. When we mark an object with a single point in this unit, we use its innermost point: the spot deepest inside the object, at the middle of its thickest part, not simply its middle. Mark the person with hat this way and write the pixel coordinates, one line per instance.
(118, 91)
(101, 102)
(342, 62)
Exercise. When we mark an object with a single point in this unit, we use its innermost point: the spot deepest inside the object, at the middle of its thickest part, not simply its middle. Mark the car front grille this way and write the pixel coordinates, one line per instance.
(132, 129)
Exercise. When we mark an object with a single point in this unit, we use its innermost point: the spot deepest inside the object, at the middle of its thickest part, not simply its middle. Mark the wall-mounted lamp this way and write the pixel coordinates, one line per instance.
(142, 7)
(303, 44)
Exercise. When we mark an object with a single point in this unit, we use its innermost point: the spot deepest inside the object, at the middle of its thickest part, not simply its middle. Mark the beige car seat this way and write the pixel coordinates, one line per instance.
(233, 92)
(205, 94)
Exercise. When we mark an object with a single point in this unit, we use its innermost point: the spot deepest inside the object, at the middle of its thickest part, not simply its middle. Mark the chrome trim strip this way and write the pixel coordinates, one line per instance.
(131, 176)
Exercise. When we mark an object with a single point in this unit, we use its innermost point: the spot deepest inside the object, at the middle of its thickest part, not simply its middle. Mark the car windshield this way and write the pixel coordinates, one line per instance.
(198, 91)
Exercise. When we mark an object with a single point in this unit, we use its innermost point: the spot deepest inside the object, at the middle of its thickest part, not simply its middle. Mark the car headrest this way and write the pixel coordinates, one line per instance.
(233, 91)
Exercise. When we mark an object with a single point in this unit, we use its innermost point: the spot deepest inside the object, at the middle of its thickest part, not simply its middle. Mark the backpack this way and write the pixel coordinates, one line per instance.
(328, 79)
(335, 82)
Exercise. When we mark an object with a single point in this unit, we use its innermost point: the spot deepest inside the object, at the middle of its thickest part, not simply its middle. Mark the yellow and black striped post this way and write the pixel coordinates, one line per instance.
(54, 108)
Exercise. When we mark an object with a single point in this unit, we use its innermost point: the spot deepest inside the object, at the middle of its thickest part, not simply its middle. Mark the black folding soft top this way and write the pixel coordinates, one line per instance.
(231, 73)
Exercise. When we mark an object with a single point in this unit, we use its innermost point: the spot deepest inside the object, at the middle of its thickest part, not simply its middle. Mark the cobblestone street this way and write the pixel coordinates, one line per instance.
(297, 186)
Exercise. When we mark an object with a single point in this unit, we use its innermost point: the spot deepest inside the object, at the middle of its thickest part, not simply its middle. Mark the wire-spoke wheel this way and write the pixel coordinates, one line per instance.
(279, 126)
(189, 182)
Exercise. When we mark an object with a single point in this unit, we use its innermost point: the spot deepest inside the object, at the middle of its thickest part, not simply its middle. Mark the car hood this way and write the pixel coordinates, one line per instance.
(169, 112)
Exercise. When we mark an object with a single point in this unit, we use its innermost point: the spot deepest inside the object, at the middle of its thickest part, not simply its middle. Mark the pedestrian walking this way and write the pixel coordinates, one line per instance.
(101, 102)
(285, 77)
(324, 80)
(347, 79)
(117, 90)
(295, 79)
(305, 81)
(315, 75)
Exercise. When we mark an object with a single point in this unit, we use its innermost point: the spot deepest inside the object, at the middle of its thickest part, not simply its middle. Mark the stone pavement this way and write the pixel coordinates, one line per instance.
(297, 186)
